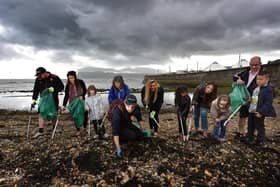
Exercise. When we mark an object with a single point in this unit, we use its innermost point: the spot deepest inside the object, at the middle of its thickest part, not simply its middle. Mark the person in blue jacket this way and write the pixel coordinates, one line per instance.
(119, 89)
(260, 107)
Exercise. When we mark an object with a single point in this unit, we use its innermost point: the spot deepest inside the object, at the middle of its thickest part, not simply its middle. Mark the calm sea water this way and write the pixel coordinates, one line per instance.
(16, 94)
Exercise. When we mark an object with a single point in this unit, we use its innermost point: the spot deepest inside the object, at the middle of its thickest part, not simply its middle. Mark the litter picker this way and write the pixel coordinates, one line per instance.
(56, 123)
(189, 127)
(232, 114)
(152, 116)
(181, 124)
(29, 121)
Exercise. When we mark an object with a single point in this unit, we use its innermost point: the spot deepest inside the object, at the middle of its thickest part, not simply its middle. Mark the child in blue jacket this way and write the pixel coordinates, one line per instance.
(260, 107)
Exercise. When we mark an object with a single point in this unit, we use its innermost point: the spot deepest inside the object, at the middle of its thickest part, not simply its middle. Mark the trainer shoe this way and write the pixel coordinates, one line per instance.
(38, 134)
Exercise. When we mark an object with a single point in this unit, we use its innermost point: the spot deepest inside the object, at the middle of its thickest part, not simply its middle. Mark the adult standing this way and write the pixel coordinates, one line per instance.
(45, 80)
(123, 129)
(119, 89)
(74, 88)
(248, 78)
(152, 98)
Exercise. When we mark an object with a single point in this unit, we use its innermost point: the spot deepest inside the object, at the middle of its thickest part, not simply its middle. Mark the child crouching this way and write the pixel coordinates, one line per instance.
(220, 109)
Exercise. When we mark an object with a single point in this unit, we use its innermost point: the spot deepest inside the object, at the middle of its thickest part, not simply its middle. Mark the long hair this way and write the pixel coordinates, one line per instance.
(118, 78)
(91, 87)
(148, 91)
(178, 96)
(208, 98)
(76, 81)
(223, 98)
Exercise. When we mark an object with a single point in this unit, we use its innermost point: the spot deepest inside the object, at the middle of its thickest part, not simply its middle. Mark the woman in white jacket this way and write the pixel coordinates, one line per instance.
(95, 107)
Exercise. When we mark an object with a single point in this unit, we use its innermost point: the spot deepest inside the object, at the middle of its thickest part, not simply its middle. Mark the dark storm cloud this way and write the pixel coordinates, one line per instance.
(146, 31)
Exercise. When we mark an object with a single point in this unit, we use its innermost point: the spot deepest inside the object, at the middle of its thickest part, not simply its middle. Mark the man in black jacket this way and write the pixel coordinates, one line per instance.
(45, 80)
(247, 77)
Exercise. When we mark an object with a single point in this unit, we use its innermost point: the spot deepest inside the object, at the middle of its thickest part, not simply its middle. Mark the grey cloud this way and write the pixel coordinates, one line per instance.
(146, 31)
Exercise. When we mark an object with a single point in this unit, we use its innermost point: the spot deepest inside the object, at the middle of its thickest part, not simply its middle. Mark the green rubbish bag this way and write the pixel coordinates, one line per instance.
(77, 109)
(238, 96)
(47, 106)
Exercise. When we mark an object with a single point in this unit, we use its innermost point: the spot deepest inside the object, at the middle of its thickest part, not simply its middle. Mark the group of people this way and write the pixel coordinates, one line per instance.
(125, 115)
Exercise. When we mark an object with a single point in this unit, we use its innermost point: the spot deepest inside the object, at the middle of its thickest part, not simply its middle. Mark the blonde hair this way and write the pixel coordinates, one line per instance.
(148, 91)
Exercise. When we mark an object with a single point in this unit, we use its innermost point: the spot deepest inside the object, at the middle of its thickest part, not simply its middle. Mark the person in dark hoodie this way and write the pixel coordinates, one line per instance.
(248, 78)
(74, 88)
(260, 107)
(45, 80)
(123, 129)
(119, 89)
(152, 98)
(203, 96)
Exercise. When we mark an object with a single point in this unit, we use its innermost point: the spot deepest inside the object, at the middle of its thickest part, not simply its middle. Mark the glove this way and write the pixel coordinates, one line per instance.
(51, 89)
(119, 153)
(152, 114)
(33, 103)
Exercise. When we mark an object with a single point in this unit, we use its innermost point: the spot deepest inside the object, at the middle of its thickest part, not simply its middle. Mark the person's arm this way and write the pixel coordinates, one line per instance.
(35, 90)
(66, 95)
(58, 86)
(267, 104)
(143, 96)
(111, 95)
(83, 86)
(213, 110)
(195, 96)
(126, 91)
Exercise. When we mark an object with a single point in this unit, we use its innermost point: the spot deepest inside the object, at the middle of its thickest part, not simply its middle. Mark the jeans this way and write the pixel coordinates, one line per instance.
(217, 127)
(201, 112)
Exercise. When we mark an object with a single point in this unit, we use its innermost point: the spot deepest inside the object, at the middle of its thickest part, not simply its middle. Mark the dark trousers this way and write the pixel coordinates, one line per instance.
(182, 124)
(96, 125)
(153, 124)
(130, 133)
(255, 123)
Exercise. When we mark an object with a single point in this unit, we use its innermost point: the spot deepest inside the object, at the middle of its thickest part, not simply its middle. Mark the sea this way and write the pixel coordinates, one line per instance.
(16, 94)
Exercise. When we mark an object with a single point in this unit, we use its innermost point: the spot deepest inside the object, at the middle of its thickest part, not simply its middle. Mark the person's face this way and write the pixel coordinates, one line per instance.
(130, 108)
(262, 80)
(183, 94)
(255, 65)
(92, 92)
(71, 79)
(222, 104)
(153, 87)
(117, 84)
(209, 89)
(42, 76)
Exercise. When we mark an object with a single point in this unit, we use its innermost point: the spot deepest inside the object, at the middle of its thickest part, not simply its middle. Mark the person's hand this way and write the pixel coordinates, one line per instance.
(33, 103)
(217, 120)
(81, 97)
(258, 115)
(152, 114)
(51, 89)
(249, 100)
(62, 108)
(240, 82)
(192, 108)
(147, 108)
(119, 153)
(133, 118)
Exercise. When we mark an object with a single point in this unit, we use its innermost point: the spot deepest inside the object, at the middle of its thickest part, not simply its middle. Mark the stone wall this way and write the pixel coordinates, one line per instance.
(223, 75)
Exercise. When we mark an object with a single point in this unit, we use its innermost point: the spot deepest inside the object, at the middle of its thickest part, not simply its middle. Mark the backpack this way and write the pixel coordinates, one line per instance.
(116, 103)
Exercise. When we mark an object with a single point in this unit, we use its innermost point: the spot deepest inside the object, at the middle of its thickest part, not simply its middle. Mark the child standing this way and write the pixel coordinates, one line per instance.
(260, 107)
(203, 96)
(96, 110)
(183, 103)
(220, 109)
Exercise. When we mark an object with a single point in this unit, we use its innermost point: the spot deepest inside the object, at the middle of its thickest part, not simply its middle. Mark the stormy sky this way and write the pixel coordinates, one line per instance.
(71, 34)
